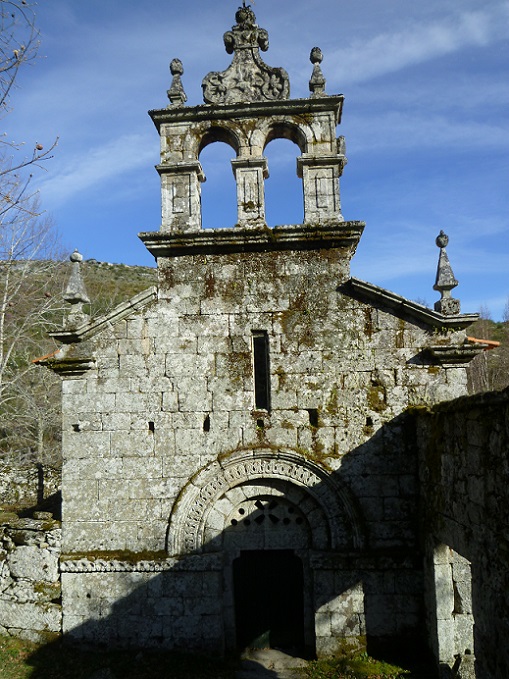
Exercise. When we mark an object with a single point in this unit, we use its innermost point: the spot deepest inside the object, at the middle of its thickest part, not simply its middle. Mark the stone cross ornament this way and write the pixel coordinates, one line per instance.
(248, 78)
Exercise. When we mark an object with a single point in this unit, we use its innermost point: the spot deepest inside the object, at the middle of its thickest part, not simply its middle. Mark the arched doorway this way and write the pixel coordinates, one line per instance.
(269, 600)
(271, 517)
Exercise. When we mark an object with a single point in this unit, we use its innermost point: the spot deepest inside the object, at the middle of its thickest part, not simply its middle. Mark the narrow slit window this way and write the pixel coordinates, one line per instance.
(261, 370)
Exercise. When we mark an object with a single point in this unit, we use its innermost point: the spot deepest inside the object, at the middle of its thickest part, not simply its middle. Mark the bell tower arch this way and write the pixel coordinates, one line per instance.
(247, 106)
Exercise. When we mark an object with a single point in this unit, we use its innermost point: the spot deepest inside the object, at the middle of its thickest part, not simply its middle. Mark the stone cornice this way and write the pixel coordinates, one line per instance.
(92, 327)
(256, 109)
(406, 308)
(464, 353)
(219, 241)
(94, 564)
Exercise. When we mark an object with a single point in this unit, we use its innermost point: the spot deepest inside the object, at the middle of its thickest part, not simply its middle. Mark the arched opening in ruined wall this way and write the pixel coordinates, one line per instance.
(284, 203)
(218, 192)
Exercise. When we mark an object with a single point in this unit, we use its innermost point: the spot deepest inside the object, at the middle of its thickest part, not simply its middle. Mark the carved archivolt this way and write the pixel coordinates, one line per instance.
(190, 523)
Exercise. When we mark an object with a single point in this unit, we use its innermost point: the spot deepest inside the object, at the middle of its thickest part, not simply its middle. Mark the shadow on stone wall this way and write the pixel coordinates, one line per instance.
(372, 593)
(464, 472)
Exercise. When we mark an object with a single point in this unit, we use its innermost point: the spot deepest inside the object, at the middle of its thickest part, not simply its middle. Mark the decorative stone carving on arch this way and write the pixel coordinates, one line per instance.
(266, 514)
(301, 134)
(223, 133)
(189, 525)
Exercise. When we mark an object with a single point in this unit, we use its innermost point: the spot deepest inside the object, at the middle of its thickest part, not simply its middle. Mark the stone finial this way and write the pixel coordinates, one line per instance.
(445, 281)
(176, 93)
(317, 82)
(75, 294)
(248, 78)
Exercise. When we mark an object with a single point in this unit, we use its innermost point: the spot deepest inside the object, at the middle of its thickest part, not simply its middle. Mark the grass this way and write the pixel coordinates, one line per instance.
(25, 660)
(355, 667)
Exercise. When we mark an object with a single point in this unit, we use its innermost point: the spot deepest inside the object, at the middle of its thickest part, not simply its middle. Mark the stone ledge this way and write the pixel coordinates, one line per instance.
(406, 308)
(289, 237)
(286, 108)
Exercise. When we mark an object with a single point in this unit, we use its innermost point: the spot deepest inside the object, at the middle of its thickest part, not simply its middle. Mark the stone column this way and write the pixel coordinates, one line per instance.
(320, 175)
(181, 196)
(249, 175)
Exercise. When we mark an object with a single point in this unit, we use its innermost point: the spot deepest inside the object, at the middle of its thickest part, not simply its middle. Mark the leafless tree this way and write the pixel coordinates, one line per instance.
(19, 45)
(28, 241)
(505, 312)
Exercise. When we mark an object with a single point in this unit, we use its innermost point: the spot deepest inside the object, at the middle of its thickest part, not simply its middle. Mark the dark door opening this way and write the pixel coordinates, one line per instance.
(269, 600)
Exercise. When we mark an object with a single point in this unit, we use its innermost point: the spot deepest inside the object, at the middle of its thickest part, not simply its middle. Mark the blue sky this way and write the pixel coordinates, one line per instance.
(425, 119)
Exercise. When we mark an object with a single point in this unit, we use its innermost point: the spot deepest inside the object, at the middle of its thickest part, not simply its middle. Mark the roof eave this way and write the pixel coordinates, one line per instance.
(406, 307)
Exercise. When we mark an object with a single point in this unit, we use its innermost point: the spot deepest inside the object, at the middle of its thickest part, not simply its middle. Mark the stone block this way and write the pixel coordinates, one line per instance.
(193, 393)
(86, 444)
(150, 468)
(34, 564)
(83, 403)
(45, 617)
(132, 444)
(323, 624)
(444, 593)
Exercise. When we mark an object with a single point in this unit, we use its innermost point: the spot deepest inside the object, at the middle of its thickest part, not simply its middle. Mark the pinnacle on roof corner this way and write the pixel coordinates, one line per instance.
(317, 82)
(445, 281)
(176, 93)
(76, 294)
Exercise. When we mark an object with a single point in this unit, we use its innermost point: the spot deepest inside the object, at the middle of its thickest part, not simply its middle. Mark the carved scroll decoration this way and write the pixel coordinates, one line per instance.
(248, 78)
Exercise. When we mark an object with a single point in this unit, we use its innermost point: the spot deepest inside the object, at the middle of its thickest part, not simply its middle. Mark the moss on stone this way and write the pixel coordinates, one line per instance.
(375, 397)
(116, 555)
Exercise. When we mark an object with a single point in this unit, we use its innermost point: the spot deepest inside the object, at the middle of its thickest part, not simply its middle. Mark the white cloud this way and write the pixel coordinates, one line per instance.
(391, 52)
(97, 166)
(396, 130)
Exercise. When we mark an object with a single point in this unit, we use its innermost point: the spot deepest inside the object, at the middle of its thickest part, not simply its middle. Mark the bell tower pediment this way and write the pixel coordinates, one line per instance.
(248, 78)
(248, 106)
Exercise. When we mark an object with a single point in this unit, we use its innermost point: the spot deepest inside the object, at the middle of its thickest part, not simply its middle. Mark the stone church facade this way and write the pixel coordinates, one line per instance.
(238, 468)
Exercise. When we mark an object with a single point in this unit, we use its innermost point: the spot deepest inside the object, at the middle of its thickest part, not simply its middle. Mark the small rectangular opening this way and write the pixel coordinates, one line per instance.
(261, 370)
(313, 417)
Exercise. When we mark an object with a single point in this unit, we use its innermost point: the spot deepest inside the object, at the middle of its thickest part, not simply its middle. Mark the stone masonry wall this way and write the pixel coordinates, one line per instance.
(29, 485)
(172, 392)
(465, 491)
(29, 577)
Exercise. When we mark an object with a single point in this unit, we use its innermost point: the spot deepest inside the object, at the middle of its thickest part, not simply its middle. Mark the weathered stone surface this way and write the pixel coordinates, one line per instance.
(247, 424)
(26, 486)
(33, 563)
(463, 473)
(29, 577)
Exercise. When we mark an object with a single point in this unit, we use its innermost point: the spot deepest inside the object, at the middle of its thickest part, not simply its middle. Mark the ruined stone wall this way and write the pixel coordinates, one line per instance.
(29, 485)
(465, 492)
(29, 577)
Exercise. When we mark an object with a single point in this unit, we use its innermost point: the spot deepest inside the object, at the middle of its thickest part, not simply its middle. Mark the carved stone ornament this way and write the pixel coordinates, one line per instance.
(248, 78)
(186, 533)
(75, 294)
(176, 93)
(445, 281)
(317, 82)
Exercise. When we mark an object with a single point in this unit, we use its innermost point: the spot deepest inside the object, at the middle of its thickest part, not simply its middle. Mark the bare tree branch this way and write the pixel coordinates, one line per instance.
(30, 275)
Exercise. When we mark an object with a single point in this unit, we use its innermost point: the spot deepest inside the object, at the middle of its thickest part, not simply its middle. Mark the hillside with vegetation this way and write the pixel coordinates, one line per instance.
(490, 370)
(30, 399)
